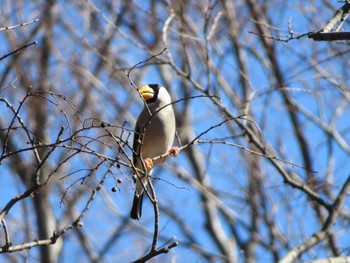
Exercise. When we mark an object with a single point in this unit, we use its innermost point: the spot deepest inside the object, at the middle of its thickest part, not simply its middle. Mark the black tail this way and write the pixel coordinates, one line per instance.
(136, 207)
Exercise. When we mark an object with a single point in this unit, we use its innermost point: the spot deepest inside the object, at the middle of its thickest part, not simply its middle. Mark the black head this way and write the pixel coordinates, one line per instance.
(155, 88)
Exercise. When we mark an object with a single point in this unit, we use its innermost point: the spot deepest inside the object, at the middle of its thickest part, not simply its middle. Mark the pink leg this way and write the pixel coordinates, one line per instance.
(148, 163)
(174, 151)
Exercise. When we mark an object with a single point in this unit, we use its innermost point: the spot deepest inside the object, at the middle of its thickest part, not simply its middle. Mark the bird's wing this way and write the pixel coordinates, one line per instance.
(136, 145)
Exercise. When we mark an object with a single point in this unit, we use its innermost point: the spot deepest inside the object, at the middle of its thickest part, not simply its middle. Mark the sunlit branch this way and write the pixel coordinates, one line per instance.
(19, 25)
(326, 230)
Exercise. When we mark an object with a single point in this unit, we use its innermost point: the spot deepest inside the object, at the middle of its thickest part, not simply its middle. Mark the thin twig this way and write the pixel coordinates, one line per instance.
(21, 24)
(198, 136)
(254, 152)
(17, 198)
(321, 235)
(136, 65)
(7, 234)
(281, 38)
(156, 216)
(18, 50)
(157, 252)
(146, 60)
(20, 120)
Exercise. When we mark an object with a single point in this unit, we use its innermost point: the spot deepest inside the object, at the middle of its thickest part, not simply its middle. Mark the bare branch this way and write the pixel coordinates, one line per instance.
(18, 50)
(156, 252)
(337, 18)
(320, 236)
(19, 25)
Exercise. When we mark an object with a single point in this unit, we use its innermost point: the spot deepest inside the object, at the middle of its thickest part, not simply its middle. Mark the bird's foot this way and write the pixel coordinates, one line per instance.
(148, 163)
(174, 151)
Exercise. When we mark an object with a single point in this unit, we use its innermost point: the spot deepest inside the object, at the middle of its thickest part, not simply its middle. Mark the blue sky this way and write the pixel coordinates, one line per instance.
(225, 166)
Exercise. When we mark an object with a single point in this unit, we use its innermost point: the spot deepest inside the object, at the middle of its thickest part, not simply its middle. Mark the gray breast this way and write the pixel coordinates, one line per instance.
(159, 133)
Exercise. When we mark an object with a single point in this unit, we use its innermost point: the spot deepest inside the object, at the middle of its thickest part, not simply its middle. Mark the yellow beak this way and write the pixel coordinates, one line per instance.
(146, 92)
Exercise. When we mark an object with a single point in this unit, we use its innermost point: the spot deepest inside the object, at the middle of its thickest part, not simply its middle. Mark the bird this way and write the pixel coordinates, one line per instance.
(154, 136)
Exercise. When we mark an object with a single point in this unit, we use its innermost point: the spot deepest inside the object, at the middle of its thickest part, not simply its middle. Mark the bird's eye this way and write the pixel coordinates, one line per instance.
(155, 87)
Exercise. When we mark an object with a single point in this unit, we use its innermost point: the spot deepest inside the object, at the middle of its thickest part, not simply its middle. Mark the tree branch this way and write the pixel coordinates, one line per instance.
(320, 236)
(18, 50)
